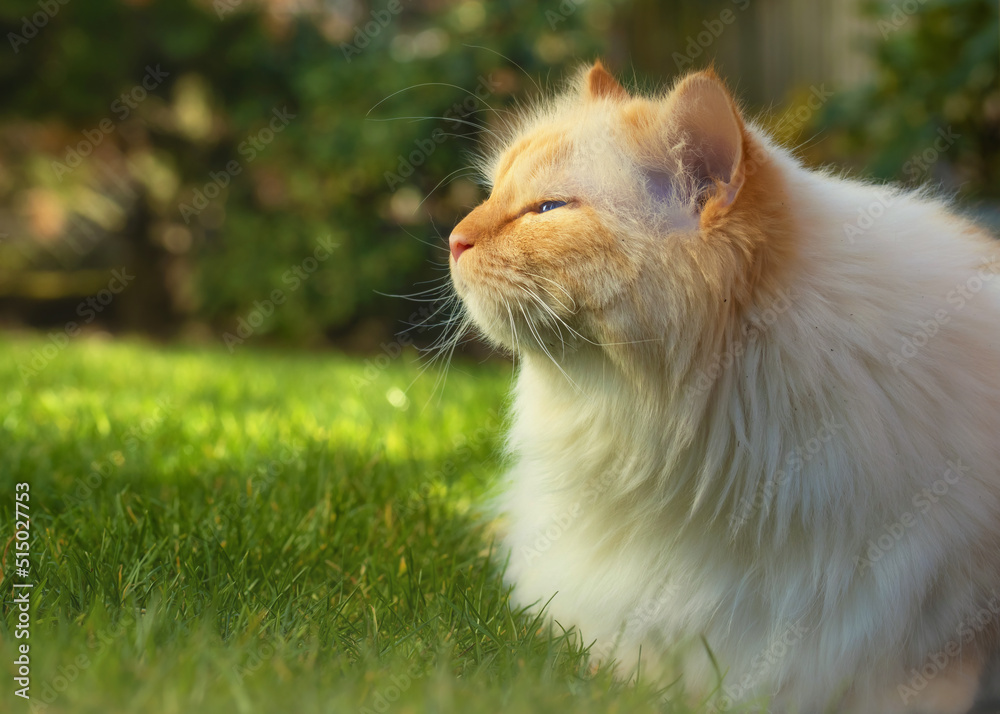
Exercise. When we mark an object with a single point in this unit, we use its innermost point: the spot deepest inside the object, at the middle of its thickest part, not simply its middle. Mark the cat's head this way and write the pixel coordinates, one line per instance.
(615, 218)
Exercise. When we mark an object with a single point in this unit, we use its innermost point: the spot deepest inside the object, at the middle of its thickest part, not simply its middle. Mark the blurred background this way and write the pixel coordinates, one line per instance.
(269, 172)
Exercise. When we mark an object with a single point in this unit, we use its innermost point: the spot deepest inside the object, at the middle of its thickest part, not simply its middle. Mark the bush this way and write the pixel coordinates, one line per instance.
(263, 133)
(932, 109)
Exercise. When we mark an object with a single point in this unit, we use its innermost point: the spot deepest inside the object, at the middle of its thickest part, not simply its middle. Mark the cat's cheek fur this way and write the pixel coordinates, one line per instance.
(540, 267)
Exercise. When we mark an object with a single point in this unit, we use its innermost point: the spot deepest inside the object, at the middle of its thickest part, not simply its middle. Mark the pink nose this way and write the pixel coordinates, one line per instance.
(459, 244)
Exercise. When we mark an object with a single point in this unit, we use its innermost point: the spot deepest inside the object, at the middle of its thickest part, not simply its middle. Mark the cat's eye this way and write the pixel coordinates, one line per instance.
(549, 205)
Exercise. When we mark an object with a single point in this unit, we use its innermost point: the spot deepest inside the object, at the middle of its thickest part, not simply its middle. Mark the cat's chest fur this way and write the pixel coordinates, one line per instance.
(593, 537)
(639, 528)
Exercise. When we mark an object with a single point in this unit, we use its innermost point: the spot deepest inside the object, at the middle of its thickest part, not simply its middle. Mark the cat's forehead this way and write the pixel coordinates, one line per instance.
(552, 153)
(540, 151)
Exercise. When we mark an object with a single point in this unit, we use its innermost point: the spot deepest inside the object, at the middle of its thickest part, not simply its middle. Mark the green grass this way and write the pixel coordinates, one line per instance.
(261, 532)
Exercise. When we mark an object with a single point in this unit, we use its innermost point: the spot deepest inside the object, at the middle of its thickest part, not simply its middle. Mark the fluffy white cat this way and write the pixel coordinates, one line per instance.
(757, 408)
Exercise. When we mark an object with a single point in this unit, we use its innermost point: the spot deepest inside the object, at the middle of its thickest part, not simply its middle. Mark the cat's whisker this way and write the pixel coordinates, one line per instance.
(455, 318)
(413, 298)
(798, 148)
(435, 284)
(565, 291)
(551, 326)
(440, 341)
(445, 265)
(435, 246)
(444, 349)
(503, 56)
(436, 229)
(499, 112)
(557, 321)
(431, 192)
(440, 291)
(445, 304)
(578, 334)
(423, 370)
(427, 84)
(479, 128)
(513, 325)
(427, 117)
(443, 377)
(541, 344)
(443, 281)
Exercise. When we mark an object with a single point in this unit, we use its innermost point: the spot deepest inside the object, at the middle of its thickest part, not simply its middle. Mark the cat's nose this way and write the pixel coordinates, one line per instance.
(459, 243)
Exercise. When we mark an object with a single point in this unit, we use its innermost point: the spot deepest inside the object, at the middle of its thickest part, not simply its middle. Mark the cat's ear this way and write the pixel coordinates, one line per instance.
(601, 84)
(714, 151)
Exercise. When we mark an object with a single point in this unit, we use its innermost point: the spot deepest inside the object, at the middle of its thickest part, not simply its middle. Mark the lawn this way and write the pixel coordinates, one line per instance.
(265, 532)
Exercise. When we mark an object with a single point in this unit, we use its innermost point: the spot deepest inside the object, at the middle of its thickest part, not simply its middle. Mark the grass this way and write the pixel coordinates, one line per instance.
(262, 532)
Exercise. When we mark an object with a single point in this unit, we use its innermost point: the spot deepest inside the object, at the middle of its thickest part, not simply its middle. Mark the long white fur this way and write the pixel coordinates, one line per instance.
(650, 510)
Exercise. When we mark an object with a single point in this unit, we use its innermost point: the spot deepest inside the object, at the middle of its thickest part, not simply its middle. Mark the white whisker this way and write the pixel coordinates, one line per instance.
(541, 344)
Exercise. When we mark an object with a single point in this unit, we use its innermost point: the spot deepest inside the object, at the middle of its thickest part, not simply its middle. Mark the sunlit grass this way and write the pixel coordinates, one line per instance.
(260, 532)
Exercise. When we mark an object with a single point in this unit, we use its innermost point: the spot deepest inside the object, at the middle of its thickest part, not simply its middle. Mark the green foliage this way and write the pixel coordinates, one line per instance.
(261, 533)
(932, 109)
(219, 206)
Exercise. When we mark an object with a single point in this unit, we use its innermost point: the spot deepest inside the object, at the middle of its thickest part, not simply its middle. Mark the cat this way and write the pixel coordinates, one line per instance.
(753, 437)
